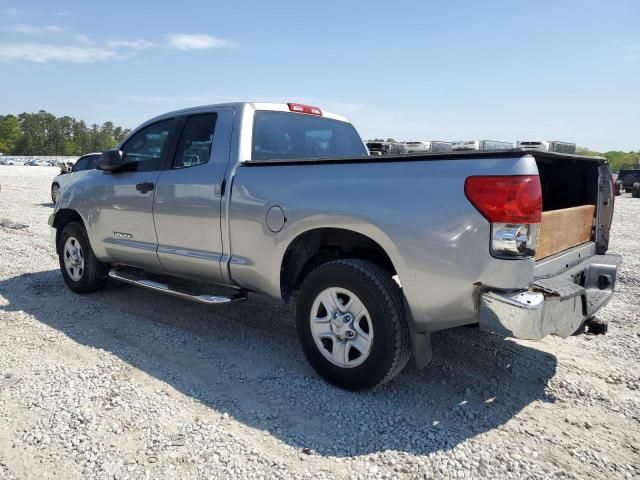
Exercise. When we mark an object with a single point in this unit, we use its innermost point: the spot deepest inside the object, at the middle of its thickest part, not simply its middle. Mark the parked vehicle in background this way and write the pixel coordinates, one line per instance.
(429, 146)
(462, 145)
(547, 146)
(617, 184)
(378, 148)
(284, 198)
(401, 148)
(629, 176)
(484, 145)
(438, 146)
(83, 164)
(397, 148)
(533, 145)
(495, 145)
(562, 147)
(417, 147)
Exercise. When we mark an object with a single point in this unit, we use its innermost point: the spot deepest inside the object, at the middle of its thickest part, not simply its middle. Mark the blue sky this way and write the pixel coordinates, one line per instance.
(503, 70)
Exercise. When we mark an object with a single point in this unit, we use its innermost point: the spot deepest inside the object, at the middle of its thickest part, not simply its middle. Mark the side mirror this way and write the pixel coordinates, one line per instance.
(111, 160)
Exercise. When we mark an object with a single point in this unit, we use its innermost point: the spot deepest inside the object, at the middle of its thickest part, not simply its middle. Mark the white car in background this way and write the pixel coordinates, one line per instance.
(85, 163)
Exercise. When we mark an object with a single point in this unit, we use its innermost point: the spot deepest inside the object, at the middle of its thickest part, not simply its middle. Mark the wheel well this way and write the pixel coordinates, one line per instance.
(63, 217)
(322, 245)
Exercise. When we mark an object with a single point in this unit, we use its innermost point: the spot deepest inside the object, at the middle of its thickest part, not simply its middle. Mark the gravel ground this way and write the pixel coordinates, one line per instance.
(126, 383)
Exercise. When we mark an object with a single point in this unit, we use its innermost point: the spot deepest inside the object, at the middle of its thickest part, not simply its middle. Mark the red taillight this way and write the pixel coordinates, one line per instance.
(513, 199)
(299, 108)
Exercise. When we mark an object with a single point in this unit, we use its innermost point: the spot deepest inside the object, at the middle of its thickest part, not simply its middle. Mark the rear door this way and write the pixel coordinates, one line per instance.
(187, 210)
(122, 213)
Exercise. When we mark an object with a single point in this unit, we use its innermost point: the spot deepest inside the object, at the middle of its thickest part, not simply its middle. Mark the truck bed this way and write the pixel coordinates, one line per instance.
(569, 185)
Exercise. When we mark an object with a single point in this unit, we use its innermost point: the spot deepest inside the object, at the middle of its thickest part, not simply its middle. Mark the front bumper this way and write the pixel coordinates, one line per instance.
(552, 306)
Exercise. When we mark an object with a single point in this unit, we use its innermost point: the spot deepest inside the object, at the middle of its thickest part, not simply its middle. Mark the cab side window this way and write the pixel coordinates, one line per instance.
(80, 165)
(148, 147)
(93, 162)
(194, 146)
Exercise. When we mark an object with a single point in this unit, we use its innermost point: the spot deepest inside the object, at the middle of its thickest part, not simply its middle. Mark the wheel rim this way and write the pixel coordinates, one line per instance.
(73, 259)
(54, 193)
(341, 327)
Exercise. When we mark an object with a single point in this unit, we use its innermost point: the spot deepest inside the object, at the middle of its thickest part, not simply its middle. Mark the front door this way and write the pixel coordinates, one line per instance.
(122, 213)
(187, 210)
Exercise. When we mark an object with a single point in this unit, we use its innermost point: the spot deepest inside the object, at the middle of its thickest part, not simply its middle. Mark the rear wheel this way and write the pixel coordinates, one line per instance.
(352, 324)
(81, 270)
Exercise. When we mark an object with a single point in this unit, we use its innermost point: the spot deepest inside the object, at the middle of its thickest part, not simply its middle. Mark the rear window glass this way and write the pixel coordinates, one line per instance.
(283, 135)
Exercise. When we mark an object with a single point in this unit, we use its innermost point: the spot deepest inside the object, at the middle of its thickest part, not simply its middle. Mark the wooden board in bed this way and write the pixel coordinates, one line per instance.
(563, 229)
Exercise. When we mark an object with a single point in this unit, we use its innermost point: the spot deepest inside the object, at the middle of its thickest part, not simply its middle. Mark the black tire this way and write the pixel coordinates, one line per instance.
(635, 191)
(391, 344)
(54, 192)
(94, 274)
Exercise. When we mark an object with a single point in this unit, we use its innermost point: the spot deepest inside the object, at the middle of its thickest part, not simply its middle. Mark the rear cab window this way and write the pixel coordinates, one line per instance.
(284, 135)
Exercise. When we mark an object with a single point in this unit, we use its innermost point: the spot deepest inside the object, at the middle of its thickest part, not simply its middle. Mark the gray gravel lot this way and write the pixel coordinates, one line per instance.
(127, 383)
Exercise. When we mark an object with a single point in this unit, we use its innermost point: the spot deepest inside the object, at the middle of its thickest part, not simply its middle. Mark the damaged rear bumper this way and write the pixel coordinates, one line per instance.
(552, 306)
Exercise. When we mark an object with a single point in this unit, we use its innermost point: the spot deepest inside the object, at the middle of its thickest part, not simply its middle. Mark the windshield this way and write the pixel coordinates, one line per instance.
(283, 135)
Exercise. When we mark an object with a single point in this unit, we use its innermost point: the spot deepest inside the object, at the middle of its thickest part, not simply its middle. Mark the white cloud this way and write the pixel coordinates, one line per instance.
(186, 41)
(14, 13)
(36, 30)
(42, 53)
(84, 50)
(82, 38)
(130, 44)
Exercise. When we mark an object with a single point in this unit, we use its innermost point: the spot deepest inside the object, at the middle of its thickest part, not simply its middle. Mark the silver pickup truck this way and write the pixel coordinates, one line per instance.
(283, 200)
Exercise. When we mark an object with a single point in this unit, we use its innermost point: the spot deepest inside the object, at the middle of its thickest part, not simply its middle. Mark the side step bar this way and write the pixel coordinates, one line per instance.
(164, 288)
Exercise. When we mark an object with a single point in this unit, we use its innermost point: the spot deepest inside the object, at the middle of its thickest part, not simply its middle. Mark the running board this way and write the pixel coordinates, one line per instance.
(164, 288)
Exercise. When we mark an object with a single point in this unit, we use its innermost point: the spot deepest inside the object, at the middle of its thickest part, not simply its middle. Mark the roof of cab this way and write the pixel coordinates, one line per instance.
(276, 107)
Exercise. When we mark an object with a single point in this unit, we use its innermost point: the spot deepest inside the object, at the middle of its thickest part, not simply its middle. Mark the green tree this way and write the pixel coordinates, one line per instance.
(617, 159)
(9, 133)
(43, 133)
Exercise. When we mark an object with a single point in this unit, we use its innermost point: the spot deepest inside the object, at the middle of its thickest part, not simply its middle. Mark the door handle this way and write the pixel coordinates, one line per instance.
(145, 187)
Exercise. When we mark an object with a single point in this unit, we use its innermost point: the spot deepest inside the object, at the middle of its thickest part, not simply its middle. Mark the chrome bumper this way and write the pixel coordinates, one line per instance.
(552, 306)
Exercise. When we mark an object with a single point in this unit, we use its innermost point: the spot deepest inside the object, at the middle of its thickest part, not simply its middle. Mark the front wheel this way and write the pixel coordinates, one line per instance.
(352, 325)
(54, 193)
(81, 270)
(635, 191)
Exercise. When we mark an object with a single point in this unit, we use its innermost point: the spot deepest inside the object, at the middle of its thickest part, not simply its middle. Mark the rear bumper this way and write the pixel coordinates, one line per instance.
(552, 306)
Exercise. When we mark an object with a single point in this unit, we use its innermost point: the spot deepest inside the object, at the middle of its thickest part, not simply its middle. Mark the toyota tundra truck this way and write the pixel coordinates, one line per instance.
(378, 252)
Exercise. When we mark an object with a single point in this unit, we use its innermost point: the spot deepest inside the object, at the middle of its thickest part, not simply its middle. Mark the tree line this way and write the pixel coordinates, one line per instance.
(616, 158)
(43, 133)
